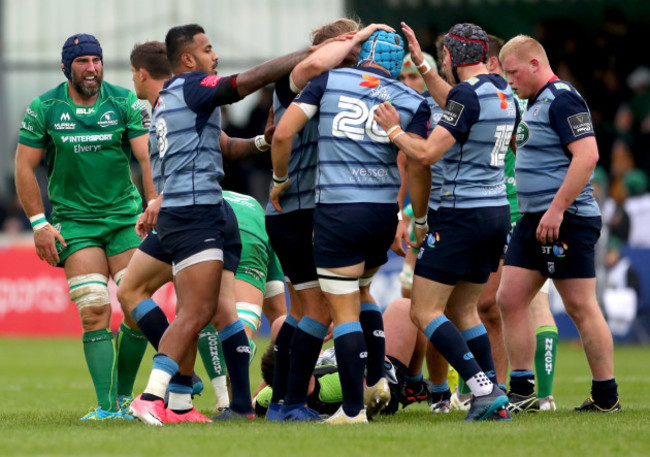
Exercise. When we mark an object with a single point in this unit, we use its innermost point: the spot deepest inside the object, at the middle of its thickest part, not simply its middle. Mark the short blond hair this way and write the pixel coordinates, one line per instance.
(525, 48)
(334, 29)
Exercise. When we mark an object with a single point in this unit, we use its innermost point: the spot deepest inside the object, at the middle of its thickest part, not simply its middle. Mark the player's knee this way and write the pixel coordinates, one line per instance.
(90, 294)
(250, 314)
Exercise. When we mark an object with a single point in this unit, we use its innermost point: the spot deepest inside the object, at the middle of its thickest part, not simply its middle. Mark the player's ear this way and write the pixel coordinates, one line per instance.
(63, 68)
(187, 60)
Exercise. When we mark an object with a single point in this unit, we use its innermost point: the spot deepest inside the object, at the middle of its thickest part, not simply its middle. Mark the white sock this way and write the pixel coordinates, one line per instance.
(180, 402)
(158, 382)
(480, 384)
(221, 391)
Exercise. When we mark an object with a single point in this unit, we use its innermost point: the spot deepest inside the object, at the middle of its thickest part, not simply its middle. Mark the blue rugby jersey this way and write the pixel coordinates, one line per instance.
(302, 162)
(481, 114)
(556, 117)
(186, 127)
(436, 168)
(356, 160)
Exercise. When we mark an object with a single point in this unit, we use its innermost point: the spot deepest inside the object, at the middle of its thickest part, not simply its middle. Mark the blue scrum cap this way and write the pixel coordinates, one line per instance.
(79, 45)
(385, 49)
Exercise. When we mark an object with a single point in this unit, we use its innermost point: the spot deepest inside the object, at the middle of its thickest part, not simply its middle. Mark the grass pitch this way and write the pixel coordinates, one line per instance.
(45, 388)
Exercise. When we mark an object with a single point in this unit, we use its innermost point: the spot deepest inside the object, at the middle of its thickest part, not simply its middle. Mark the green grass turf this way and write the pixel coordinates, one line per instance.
(45, 388)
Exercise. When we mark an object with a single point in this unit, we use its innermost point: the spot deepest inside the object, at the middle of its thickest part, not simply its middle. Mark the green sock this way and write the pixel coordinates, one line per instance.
(211, 352)
(545, 357)
(100, 358)
(463, 388)
(130, 346)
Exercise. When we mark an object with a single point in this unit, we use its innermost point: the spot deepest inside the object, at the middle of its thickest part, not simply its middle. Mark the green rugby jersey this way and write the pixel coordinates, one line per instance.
(250, 214)
(509, 172)
(87, 150)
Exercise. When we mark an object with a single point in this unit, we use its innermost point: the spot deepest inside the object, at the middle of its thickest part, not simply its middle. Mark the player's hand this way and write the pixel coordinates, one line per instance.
(414, 47)
(386, 116)
(419, 233)
(147, 220)
(269, 130)
(343, 37)
(548, 230)
(276, 191)
(363, 34)
(401, 237)
(44, 240)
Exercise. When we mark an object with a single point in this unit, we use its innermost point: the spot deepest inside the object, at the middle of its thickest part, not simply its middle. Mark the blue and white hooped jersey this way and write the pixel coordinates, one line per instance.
(482, 115)
(184, 138)
(556, 117)
(304, 155)
(356, 161)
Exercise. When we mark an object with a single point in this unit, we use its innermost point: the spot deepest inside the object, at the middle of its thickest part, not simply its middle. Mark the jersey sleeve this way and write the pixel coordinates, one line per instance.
(205, 92)
(314, 90)
(138, 119)
(284, 92)
(32, 128)
(461, 112)
(570, 118)
(420, 122)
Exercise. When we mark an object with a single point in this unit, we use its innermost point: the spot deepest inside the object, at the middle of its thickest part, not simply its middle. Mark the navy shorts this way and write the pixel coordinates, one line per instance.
(152, 246)
(188, 230)
(350, 233)
(232, 242)
(572, 256)
(463, 244)
(291, 237)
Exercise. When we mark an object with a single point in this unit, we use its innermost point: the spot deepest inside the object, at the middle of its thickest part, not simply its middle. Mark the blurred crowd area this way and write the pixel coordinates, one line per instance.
(606, 66)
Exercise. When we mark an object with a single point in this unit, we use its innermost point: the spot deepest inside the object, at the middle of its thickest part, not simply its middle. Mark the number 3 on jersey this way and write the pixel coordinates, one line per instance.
(161, 136)
(357, 121)
(502, 134)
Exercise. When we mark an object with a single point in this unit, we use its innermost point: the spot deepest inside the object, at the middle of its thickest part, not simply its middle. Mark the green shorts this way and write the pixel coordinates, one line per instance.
(114, 234)
(254, 261)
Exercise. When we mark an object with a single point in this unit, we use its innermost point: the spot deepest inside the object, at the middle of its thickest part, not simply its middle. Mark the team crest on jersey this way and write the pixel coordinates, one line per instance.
(210, 81)
(369, 81)
(107, 119)
(523, 134)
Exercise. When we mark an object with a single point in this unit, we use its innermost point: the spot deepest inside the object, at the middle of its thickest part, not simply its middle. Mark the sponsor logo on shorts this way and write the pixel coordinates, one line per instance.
(432, 239)
(560, 249)
(363, 355)
(468, 356)
(551, 267)
(452, 113)
(580, 124)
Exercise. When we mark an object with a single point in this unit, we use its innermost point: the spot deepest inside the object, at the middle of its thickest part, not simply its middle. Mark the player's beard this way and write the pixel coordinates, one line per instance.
(86, 91)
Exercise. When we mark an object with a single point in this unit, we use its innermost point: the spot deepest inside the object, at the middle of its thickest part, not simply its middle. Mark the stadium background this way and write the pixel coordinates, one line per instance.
(595, 44)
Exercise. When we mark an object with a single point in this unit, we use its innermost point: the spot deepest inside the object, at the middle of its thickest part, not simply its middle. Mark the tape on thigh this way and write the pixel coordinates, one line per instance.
(89, 290)
(336, 284)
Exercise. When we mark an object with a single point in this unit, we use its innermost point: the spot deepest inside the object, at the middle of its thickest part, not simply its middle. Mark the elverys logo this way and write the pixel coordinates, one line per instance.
(523, 134)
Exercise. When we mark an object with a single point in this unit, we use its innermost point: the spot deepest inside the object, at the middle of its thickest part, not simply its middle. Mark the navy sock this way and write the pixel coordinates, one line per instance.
(604, 392)
(450, 343)
(479, 343)
(305, 347)
(522, 382)
(151, 319)
(282, 358)
(237, 353)
(372, 324)
(350, 349)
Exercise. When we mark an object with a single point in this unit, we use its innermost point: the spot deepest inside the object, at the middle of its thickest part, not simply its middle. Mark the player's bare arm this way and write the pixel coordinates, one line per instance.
(292, 122)
(438, 87)
(27, 159)
(419, 189)
(583, 162)
(140, 148)
(427, 151)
